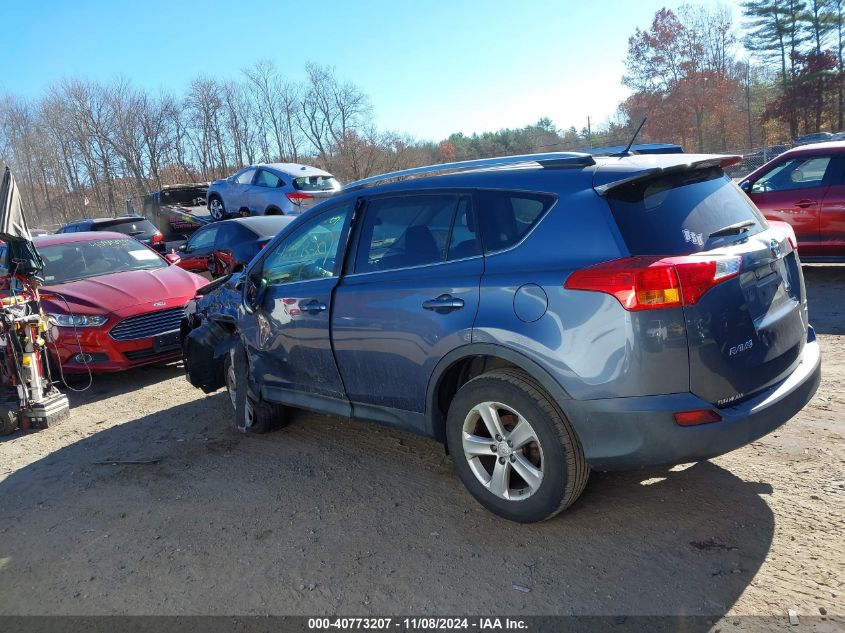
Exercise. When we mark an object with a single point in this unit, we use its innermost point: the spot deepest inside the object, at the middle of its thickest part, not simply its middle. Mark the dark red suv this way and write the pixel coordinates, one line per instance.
(805, 187)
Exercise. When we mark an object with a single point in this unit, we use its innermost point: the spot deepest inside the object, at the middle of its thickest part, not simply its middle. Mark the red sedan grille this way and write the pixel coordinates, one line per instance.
(147, 325)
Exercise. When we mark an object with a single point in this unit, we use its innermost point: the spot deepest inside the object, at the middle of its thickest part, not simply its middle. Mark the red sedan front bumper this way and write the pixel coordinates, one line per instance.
(106, 355)
(100, 349)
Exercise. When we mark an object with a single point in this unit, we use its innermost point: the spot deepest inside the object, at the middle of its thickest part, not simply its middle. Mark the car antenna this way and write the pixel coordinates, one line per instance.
(627, 150)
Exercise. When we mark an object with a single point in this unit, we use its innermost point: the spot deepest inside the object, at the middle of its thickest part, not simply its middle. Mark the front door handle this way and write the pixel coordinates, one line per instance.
(313, 306)
(443, 303)
(803, 204)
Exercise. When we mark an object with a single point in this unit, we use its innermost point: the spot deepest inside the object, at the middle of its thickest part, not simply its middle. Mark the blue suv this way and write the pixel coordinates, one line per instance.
(541, 315)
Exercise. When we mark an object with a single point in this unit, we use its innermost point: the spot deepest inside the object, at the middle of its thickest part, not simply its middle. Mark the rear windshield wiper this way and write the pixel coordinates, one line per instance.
(733, 229)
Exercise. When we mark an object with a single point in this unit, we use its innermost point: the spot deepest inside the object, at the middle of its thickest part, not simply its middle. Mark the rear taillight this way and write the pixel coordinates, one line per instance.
(157, 238)
(649, 283)
(297, 197)
(696, 417)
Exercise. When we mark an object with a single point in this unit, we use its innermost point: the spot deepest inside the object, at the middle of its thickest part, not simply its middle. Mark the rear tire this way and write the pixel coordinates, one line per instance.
(252, 414)
(216, 209)
(513, 448)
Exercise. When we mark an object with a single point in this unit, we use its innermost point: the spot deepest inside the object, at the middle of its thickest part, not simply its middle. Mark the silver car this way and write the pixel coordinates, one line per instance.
(270, 189)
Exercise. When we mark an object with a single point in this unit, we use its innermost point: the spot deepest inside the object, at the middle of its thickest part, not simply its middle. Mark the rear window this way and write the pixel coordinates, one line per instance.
(127, 227)
(676, 214)
(316, 183)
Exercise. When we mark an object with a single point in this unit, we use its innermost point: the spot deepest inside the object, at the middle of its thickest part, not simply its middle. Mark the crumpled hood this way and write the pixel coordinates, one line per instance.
(117, 292)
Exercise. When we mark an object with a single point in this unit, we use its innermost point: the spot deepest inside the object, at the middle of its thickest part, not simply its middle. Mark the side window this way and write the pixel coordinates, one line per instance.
(506, 217)
(404, 231)
(797, 173)
(311, 251)
(202, 239)
(267, 179)
(245, 177)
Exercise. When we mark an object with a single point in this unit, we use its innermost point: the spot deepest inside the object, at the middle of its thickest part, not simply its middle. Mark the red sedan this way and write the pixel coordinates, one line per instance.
(805, 187)
(116, 301)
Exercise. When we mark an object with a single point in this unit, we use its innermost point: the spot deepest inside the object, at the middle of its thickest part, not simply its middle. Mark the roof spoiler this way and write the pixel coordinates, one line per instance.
(698, 162)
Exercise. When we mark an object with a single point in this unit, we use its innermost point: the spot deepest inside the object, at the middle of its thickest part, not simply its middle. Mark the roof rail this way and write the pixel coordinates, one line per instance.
(547, 160)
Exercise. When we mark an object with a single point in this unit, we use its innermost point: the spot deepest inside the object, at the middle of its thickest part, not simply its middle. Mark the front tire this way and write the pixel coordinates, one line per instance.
(513, 448)
(216, 209)
(252, 414)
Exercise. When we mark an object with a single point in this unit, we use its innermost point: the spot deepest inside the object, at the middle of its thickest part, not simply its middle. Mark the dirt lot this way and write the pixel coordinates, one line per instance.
(333, 516)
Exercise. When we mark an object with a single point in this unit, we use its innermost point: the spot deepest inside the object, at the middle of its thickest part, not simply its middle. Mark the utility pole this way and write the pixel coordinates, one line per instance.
(748, 102)
(589, 133)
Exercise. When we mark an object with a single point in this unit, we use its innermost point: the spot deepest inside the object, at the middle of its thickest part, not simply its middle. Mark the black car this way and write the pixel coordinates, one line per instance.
(133, 225)
(229, 245)
(178, 210)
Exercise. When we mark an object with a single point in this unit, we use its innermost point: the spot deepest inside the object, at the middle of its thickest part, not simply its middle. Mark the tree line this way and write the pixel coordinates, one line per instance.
(86, 147)
(689, 76)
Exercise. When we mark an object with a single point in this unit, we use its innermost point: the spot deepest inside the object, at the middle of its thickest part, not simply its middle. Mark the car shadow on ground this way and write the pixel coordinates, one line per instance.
(175, 512)
(824, 297)
(81, 390)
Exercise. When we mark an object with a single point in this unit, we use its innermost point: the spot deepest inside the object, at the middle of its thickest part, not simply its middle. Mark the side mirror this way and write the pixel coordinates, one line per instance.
(172, 258)
(745, 186)
(253, 295)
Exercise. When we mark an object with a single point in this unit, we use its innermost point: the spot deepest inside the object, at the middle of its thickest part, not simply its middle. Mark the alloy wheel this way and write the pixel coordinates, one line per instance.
(503, 451)
(216, 209)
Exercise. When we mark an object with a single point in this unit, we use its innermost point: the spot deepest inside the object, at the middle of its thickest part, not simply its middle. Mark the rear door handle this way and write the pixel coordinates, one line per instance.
(313, 306)
(803, 204)
(443, 303)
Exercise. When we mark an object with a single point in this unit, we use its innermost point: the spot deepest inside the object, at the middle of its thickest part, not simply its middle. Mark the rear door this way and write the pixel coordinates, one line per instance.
(832, 215)
(199, 248)
(746, 332)
(410, 296)
(265, 192)
(287, 336)
(792, 191)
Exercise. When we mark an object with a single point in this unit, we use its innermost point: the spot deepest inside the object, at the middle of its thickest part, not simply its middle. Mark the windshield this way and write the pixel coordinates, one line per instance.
(316, 183)
(677, 213)
(81, 260)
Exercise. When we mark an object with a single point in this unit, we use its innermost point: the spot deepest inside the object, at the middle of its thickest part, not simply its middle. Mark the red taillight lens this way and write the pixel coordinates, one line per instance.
(157, 238)
(649, 283)
(297, 197)
(696, 417)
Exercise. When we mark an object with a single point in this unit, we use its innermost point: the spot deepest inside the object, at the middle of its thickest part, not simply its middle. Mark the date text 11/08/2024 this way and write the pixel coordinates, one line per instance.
(418, 624)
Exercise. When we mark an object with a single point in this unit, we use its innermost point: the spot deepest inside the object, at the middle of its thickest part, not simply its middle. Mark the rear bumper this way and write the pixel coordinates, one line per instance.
(630, 433)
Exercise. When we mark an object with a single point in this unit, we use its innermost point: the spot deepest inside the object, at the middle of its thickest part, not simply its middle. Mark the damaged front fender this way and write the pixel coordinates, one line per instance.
(204, 352)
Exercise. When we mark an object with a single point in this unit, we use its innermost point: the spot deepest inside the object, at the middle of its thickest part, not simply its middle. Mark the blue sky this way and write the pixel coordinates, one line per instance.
(430, 68)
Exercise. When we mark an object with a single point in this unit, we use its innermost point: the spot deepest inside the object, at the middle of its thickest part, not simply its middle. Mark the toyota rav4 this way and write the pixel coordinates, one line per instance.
(541, 315)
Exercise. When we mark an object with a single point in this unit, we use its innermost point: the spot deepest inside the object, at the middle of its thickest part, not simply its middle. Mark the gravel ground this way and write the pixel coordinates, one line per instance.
(334, 516)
